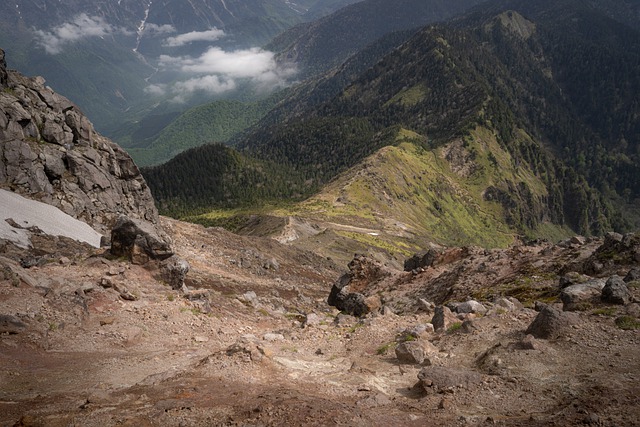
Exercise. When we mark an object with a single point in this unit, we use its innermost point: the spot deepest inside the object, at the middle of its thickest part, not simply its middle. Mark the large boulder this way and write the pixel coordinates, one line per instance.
(615, 291)
(138, 241)
(551, 323)
(579, 296)
(348, 294)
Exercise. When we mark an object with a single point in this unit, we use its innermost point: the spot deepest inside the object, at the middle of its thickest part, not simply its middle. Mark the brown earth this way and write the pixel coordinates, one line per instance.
(74, 352)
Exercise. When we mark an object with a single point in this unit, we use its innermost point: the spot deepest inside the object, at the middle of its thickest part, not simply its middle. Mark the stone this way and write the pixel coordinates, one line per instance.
(504, 304)
(421, 260)
(577, 240)
(632, 276)
(410, 352)
(11, 324)
(471, 306)
(615, 291)
(250, 298)
(138, 241)
(551, 323)
(311, 319)
(574, 297)
(271, 337)
(443, 318)
(418, 330)
(529, 342)
(441, 379)
(174, 271)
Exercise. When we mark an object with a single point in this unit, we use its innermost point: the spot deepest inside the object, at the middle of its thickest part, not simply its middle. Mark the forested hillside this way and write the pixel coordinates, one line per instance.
(563, 74)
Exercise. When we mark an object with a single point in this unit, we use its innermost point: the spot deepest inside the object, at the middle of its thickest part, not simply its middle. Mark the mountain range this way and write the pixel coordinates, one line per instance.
(527, 112)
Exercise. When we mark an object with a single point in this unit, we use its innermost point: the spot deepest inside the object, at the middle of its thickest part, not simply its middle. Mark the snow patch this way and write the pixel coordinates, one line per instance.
(51, 220)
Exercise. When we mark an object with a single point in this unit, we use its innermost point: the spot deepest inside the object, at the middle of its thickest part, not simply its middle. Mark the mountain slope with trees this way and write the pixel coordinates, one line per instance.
(512, 73)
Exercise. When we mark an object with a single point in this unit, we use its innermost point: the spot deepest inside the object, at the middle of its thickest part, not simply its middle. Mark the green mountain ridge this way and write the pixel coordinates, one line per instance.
(552, 169)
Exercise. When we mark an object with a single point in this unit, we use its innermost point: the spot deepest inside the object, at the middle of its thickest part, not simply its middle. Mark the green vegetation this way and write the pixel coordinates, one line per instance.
(627, 323)
(386, 347)
(455, 327)
(214, 122)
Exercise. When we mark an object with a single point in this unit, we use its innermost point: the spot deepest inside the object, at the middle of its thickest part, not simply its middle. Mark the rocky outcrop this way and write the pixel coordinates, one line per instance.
(138, 241)
(351, 294)
(50, 152)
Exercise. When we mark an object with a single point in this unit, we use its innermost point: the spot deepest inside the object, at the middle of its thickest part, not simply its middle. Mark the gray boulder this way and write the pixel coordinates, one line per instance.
(551, 323)
(574, 296)
(471, 306)
(174, 271)
(615, 291)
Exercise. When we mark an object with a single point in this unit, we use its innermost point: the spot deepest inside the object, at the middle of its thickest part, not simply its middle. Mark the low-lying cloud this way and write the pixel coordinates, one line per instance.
(217, 71)
(155, 29)
(82, 26)
(194, 36)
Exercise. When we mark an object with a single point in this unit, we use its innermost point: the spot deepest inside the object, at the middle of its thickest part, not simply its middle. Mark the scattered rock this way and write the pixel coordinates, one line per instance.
(529, 342)
(311, 319)
(273, 337)
(471, 306)
(10, 324)
(633, 275)
(551, 323)
(250, 298)
(418, 330)
(615, 291)
(410, 352)
(421, 260)
(443, 318)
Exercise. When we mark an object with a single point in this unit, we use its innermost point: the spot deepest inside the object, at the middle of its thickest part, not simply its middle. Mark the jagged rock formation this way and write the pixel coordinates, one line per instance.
(49, 151)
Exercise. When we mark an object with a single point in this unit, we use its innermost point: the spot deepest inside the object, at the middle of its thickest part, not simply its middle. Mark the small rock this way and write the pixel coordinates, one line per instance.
(529, 343)
(471, 306)
(273, 337)
(440, 378)
(311, 319)
(418, 330)
(107, 321)
(443, 318)
(200, 339)
(633, 275)
(574, 296)
(616, 292)
(410, 352)
(174, 271)
(10, 324)
(505, 304)
(250, 298)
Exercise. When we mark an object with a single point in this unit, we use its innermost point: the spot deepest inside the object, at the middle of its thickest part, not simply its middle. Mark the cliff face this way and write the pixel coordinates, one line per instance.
(49, 151)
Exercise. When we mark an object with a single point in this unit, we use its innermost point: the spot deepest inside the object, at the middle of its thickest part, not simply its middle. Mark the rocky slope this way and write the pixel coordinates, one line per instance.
(50, 152)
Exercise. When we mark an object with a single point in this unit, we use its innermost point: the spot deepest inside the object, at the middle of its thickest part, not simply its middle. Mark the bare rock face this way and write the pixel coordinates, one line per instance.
(50, 152)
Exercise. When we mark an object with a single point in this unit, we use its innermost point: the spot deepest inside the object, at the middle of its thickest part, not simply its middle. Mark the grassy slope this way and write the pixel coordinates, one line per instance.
(404, 197)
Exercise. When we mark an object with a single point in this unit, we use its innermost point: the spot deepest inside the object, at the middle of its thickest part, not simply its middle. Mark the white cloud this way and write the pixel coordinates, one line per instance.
(217, 71)
(183, 39)
(155, 29)
(80, 27)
